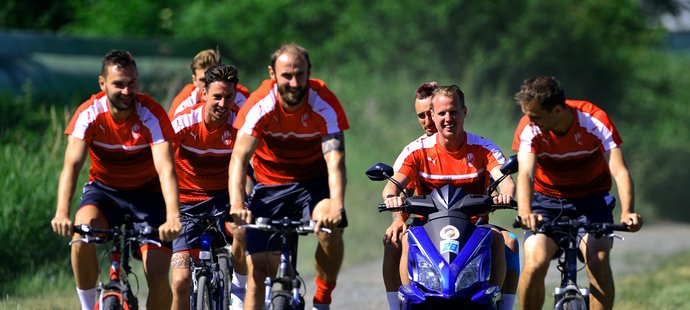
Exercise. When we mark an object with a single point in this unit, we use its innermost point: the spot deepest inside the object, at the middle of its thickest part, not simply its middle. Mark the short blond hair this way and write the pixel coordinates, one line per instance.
(205, 59)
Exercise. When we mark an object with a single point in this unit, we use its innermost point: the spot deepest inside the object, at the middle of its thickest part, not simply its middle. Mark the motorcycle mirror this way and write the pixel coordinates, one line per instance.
(510, 166)
(379, 172)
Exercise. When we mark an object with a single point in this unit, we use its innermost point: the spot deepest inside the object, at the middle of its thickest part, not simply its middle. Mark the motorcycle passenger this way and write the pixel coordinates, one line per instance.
(568, 150)
(393, 235)
(452, 156)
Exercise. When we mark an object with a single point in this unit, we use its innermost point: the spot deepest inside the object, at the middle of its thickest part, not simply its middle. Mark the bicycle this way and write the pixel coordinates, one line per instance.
(212, 273)
(288, 282)
(568, 295)
(117, 293)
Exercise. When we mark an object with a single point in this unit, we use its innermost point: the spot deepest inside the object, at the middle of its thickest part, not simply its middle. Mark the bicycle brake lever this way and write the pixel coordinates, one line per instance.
(612, 235)
(149, 241)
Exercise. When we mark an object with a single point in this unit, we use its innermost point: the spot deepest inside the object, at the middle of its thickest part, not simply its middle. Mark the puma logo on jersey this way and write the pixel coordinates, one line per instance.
(101, 127)
(193, 135)
(433, 161)
(305, 118)
(578, 138)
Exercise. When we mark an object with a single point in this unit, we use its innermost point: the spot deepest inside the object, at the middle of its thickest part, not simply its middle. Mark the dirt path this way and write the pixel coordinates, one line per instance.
(361, 287)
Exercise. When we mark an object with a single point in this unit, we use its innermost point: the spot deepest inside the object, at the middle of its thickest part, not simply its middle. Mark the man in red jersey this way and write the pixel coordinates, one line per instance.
(293, 126)
(127, 136)
(568, 150)
(452, 156)
(191, 94)
(393, 236)
(204, 140)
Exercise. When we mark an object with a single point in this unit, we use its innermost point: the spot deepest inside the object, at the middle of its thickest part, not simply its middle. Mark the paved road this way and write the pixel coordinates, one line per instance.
(361, 287)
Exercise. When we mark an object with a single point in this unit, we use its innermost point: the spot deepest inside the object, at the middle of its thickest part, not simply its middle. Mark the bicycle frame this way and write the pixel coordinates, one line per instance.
(567, 264)
(288, 280)
(569, 295)
(118, 285)
(208, 265)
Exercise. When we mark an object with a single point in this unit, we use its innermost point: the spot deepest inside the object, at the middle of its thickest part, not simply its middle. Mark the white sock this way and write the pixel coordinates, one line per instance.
(393, 301)
(237, 290)
(87, 298)
(507, 301)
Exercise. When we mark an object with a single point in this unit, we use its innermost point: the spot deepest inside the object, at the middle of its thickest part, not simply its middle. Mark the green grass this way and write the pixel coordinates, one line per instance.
(667, 287)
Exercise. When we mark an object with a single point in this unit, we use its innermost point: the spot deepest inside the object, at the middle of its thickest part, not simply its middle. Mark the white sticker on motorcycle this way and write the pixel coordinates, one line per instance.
(450, 246)
(449, 232)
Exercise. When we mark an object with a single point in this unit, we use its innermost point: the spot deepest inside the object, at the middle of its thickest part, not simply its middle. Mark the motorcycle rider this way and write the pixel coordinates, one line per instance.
(451, 156)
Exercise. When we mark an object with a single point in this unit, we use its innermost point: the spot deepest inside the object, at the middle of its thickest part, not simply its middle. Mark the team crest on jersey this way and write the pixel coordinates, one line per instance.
(227, 137)
(136, 131)
(470, 159)
(305, 118)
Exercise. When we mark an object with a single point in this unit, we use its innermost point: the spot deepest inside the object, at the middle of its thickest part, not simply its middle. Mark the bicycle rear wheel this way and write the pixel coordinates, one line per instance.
(203, 294)
(225, 265)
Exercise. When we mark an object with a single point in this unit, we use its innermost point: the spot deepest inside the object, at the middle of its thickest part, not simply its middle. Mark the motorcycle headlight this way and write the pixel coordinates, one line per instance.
(427, 274)
(471, 273)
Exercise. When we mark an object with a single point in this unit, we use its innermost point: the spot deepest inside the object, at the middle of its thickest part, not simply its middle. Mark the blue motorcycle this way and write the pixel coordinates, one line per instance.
(449, 256)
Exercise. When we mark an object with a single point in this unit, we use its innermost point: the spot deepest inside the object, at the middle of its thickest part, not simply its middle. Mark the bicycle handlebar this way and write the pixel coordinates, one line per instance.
(140, 235)
(220, 215)
(512, 205)
(570, 224)
(285, 225)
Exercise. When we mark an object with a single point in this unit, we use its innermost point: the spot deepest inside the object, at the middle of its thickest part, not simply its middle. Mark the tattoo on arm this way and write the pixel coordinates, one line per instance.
(333, 142)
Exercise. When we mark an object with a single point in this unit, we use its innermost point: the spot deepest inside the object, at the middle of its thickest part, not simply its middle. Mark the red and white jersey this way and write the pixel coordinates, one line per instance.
(571, 165)
(202, 156)
(121, 153)
(431, 166)
(401, 158)
(289, 148)
(191, 95)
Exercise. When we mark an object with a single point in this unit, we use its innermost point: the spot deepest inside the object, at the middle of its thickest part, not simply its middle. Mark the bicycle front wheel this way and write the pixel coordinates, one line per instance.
(203, 294)
(225, 265)
(572, 301)
(281, 301)
(111, 302)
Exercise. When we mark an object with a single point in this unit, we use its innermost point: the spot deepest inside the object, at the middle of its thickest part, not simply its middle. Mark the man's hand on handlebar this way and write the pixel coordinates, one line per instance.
(632, 220)
(530, 221)
(394, 201)
(240, 215)
(62, 225)
(502, 199)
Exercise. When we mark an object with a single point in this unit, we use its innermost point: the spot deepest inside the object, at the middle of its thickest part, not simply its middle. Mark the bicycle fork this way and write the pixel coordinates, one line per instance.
(569, 277)
(283, 279)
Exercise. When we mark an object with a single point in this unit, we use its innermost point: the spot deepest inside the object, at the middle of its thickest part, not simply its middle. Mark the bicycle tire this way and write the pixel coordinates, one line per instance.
(281, 300)
(203, 294)
(111, 302)
(225, 265)
(572, 301)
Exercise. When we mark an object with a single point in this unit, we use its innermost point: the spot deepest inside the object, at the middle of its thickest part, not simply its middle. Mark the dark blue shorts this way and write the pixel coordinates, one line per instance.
(145, 207)
(294, 200)
(596, 209)
(190, 237)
